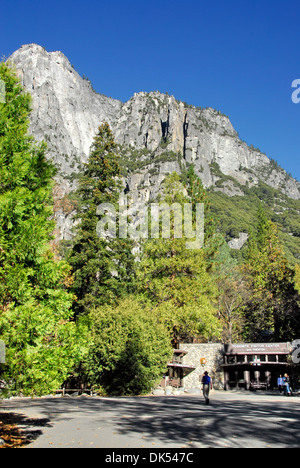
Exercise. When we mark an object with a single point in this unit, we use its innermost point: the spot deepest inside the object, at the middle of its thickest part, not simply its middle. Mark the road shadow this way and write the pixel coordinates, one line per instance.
(182, 421)
(235, 423)
(17, 430)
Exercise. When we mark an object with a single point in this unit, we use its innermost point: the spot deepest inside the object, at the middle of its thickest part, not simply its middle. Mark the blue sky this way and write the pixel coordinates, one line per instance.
(239, 57)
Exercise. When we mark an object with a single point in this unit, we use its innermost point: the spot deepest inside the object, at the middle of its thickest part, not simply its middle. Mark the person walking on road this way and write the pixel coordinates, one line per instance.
(207, 386)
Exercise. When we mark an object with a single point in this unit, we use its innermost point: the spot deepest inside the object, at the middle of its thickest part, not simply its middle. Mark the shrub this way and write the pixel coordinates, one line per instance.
(129, 348)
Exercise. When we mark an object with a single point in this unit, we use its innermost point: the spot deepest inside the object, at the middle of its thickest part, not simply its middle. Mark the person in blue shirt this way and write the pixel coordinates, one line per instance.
(280, 383)
(207, 386)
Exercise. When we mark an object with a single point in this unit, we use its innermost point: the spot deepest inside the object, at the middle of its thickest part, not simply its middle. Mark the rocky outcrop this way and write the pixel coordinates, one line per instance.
(66, 111)
(157, 133)
(237, 243)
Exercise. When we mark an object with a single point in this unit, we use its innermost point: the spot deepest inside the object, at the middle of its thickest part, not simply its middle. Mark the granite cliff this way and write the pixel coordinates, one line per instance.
(157, 134)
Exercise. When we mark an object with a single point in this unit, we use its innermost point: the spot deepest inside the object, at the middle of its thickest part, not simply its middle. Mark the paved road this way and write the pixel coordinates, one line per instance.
(232, 420)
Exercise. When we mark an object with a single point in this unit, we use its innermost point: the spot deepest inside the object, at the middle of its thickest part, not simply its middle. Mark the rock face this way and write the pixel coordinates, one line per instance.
(158, 134)
(66, 110)
(237, 244)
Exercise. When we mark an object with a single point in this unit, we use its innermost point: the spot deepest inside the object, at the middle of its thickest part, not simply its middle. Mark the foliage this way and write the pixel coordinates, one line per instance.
(297, 278)
(103, 268)
(121, 343)
(176, 280)
(213, 241)
(135, 160)
(34, 304)
(42, 347)
(232, 296)
(236, 214)
(129, 348)
(272, 307)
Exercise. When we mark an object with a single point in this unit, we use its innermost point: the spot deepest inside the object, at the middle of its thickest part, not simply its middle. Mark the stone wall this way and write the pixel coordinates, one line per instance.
(214, 358)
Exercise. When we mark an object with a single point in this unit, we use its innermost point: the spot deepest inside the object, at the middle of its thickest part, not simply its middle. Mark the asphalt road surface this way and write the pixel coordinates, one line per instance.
(237, 420)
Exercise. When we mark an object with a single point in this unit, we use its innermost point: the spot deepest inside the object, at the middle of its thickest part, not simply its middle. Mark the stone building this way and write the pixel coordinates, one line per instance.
(204, 357)
(236, 366)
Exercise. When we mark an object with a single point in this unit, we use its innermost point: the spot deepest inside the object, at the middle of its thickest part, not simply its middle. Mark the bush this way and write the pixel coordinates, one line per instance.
(129, 348)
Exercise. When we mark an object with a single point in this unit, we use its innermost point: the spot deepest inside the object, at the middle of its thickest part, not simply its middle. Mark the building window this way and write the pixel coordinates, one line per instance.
(282, 358)
(231, 359)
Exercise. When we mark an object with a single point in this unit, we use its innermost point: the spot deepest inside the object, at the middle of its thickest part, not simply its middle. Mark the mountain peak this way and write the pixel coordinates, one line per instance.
(157, 134)
(34, 53)
(67, 113)
(33, 47)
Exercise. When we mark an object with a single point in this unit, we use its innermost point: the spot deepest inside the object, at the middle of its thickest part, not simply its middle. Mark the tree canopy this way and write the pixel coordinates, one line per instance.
(176, 279)
(273, 307)
(103, 314)
(129, 348)
(103, 267)
(35, 306)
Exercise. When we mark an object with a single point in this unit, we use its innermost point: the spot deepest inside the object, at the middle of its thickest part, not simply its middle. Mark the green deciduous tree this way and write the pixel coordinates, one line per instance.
(34, 303)
(129, 348)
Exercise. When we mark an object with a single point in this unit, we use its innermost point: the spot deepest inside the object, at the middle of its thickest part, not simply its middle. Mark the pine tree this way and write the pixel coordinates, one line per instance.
(103, 268)
(272, 309)
(34, 304)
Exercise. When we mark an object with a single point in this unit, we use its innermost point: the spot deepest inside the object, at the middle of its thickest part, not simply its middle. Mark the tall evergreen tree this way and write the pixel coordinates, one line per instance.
(34, 304)
(103, 268)
(272, 309)
(176, 279)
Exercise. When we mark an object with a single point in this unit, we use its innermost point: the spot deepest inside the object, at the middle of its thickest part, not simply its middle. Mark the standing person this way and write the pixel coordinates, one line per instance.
(280, 383)
(207, 386)
(286, 385)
